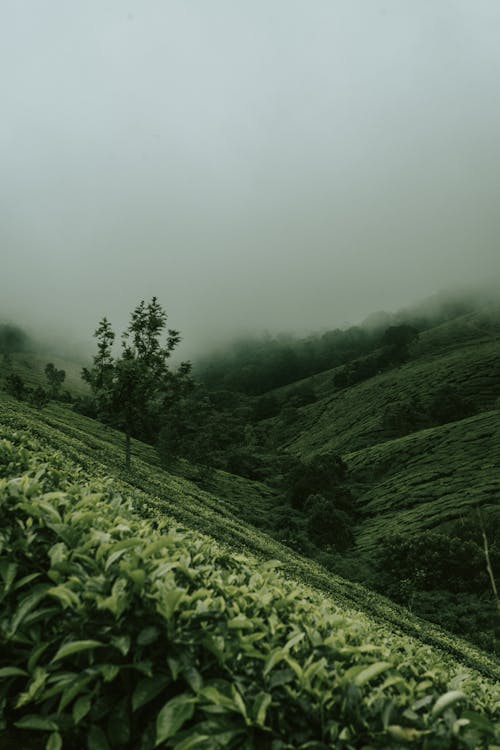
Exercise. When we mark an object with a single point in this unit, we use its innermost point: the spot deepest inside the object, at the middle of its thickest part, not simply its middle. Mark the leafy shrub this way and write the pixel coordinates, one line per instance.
(321, 474)
(116, 631)
(14, 385)
(327, 525)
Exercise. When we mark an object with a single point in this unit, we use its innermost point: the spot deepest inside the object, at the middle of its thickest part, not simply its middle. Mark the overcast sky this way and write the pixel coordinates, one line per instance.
(256, 164)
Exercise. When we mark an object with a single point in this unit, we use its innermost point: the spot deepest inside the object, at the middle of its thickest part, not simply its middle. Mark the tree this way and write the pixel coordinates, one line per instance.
(133, 391)
(38, 397)
(323, 474)
(398, 340)
(14, 385)
(12, 339)
(327, 525)
(55, 379)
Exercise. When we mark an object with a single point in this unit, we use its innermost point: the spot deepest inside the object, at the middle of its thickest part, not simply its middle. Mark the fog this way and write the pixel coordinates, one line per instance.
(267, 165)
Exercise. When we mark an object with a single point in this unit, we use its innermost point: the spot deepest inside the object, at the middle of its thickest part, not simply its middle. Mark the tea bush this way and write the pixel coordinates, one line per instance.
(121, 632)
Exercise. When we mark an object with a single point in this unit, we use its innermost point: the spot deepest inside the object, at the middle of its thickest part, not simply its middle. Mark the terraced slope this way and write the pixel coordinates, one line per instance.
(463, 353)
(126, 632)
(30, 366)
(427, 478)
(87, 444)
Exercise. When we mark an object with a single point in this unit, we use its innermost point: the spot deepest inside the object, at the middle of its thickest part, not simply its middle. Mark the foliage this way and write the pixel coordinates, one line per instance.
(14, 385)
(55, 379)
(399, 337)
(327, 525)
(448, 405)
(322, 474)
(445, 566)
(12, 339)
(133, 391)
(117, 631)
(38, 397)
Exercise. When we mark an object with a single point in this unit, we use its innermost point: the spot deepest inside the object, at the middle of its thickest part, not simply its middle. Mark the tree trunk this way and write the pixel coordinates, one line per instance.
(127, 450)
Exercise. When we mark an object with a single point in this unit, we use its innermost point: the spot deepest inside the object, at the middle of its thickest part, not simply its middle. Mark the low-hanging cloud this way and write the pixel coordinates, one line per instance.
(278, 165)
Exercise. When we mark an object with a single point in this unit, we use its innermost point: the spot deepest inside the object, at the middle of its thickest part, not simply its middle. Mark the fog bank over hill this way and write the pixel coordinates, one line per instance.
(277, 166)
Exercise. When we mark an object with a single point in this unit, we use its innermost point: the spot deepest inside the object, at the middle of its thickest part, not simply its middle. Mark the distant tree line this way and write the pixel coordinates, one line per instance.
(256, 366)
(38, 396)
(12, 340)
(442, 575)
(408, 414)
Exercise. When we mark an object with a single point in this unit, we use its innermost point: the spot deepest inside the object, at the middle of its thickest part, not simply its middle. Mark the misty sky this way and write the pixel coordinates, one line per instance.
(256, 164)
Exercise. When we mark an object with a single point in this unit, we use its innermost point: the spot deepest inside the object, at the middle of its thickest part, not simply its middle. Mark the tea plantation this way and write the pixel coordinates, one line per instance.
(122, 628)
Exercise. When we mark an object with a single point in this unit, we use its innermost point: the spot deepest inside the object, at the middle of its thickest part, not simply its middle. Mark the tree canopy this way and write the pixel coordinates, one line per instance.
(134, 389)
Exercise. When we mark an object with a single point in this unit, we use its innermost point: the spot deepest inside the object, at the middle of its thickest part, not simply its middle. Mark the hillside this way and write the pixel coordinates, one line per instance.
(460, 353)
(30, 367)
(99, 451)
(427, 478)
(299, 634)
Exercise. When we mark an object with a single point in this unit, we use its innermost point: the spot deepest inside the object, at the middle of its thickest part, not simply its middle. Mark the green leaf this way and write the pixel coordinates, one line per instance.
(274, 658)
(447, 700)
(404, 734)
(54, 742)
(65, 595)
(239, 702)
(261, 704)
(169, 602)
(192, 741)
(240, 623)
(148, 689)
(8, 572)
(12, 672)
(148, 635)
(34, 721)
(81, 708)
(75, 647)
(75, 687)
(28, 603)
(374, 670)
(479, 721)
(35, 655)
(173, 716)
(38, 681)
(122, 643)
(96, 739)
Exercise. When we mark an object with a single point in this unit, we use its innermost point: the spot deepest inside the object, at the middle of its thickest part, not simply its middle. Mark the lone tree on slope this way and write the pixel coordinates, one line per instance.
(133, 391)
(55, 379)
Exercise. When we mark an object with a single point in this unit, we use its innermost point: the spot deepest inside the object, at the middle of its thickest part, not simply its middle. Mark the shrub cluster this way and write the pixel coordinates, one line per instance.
(122, 632)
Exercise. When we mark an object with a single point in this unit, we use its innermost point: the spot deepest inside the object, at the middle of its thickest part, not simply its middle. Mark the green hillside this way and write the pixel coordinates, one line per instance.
(410, 485)
(350, 419)
(99, 451)
(427, 478)
(377, 687)
(30, 367)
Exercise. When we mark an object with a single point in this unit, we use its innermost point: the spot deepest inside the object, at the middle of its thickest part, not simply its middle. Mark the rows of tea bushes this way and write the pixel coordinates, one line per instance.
(158, 494)
(118, 631)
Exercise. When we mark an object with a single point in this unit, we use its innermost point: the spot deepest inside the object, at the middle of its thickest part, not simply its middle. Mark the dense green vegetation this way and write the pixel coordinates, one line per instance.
(370, 471)
(118, 631)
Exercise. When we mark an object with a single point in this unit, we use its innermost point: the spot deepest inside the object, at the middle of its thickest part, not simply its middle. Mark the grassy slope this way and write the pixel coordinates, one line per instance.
(350, 419)
(464, 352)
(426, 478)
(226, 622)
(99, 451)
(429, 477)
(30, 366)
